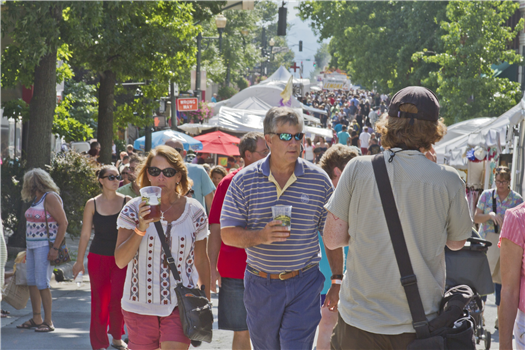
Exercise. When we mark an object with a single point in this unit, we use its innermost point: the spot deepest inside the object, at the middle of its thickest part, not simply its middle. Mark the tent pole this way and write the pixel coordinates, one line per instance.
(514, 161)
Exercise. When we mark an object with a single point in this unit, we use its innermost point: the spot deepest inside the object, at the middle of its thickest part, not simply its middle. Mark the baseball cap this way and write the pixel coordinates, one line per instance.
(424, 99)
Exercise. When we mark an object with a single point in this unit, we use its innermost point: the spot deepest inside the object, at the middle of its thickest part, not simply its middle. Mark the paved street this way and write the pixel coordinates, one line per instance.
(71, 314)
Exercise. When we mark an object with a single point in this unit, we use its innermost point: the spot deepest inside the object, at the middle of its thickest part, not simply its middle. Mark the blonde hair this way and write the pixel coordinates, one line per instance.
(174, 158)
(37, 180)
(219, 169)
(414, 134)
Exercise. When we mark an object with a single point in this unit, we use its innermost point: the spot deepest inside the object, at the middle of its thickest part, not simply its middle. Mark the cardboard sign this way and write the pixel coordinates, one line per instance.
(187, 104)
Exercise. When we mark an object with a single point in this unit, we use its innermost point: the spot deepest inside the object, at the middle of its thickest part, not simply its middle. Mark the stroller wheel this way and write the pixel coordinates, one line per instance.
(487, 340)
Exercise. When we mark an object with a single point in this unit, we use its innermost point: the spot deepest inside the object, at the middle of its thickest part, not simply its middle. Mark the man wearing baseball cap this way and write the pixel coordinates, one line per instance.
(433, 210)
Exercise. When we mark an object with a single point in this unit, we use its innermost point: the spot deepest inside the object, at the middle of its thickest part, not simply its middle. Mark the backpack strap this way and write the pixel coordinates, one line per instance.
(408, 278)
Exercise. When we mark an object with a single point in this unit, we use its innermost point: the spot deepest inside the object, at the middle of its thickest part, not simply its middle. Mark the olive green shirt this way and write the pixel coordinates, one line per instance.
(127, 190)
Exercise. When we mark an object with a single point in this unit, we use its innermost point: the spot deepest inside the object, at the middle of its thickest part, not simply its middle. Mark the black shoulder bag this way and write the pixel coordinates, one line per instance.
(452, 329)
(194, 308)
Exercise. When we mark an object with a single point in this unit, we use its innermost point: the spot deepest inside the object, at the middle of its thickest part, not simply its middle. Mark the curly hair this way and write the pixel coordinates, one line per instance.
(37, 180)
(414, 134)
(174, 158)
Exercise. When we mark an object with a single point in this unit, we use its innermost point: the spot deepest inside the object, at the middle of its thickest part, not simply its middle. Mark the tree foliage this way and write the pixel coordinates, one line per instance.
(136, 42)
(374, 40)
(476, 37)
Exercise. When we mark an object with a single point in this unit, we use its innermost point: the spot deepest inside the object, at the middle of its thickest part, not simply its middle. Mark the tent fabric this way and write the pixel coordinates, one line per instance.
(251, 103)
(485, 136)
(219, 142)
(314, 110)
(160, 137)
(243, 121)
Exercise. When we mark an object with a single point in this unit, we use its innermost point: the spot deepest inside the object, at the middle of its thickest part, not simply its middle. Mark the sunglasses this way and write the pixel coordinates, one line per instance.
(288, 137)
(180, 150)
(112, 177)
(168, 172)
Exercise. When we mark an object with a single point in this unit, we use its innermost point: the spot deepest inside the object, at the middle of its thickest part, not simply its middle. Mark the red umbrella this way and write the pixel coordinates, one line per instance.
(219, 142)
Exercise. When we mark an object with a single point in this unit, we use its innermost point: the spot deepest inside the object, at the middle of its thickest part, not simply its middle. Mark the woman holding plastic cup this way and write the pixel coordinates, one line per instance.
(149, 302)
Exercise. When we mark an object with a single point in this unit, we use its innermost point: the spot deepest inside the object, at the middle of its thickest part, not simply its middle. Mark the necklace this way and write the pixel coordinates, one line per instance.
(165, 211)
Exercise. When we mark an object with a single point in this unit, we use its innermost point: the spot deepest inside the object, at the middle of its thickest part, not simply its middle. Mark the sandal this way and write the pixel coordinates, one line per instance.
(29, 325)
(123, 346)
(44, 327)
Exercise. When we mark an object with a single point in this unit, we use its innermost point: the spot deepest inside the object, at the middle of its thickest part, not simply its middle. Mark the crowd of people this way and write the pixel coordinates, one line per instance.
(276, 283)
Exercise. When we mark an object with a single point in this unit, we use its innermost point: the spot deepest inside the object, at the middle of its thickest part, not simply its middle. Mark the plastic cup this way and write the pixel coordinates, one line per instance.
(151, 195)
(284, 214)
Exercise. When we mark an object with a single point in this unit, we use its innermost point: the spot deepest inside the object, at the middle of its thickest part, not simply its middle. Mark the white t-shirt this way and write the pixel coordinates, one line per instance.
(364, 138)
(148, 289)
(309, 154)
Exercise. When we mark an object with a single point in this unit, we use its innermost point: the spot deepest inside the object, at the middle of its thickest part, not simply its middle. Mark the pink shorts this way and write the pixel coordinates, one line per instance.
(148, 332)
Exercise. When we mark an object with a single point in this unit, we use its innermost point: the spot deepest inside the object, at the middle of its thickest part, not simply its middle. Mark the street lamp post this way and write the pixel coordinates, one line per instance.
(272, 43)
(220, 22)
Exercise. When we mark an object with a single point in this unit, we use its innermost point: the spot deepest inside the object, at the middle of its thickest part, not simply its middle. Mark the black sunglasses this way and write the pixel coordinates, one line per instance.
(168, 172)
(112, 177)
(288, 137)
(180, 150)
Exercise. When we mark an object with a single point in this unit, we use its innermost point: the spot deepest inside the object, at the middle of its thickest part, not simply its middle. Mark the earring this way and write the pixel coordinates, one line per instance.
(178, 183)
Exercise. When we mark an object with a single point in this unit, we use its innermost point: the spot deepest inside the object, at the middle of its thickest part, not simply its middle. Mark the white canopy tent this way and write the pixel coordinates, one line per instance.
(484, 134)
(243, 121)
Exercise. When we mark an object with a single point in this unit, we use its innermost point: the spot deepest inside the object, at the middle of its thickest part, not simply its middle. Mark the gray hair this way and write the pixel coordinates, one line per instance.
(249, 142)
(281, 115)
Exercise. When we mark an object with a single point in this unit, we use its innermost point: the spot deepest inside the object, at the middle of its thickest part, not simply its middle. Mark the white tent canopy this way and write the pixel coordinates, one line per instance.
(484, 134)
(243, 121)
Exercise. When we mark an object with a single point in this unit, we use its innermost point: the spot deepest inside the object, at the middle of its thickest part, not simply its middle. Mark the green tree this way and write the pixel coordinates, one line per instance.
(476, 37)
(374, 40)
(322, 58)
(38, 33)
(146, 41)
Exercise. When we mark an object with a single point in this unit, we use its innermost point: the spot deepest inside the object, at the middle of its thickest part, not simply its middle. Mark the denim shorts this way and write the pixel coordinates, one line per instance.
(39, 269)
(232, 313)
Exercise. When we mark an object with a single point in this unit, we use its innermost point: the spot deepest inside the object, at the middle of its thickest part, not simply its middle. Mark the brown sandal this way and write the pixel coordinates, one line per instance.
(44, 327)
(29, 325)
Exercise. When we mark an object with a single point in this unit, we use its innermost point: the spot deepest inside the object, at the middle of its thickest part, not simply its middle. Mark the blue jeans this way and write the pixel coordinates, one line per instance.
(39, 269)
(283, 314)
(232, 313)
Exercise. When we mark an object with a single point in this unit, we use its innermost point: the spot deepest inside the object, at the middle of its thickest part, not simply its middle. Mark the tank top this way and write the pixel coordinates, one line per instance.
(36, 232)
(309, 154)
(106, 232)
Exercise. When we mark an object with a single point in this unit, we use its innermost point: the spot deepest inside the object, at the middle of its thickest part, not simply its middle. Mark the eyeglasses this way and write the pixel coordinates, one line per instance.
(112, 177)
(501, 182)
(288, 137)
(264, 152)
(122, 174)
(168, 172)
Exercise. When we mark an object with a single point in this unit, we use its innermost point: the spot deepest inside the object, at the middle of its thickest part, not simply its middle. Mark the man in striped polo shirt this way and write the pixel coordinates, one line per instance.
(282, 279)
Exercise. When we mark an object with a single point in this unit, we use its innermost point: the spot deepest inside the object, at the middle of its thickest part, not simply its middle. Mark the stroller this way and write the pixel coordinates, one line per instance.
(470, 266)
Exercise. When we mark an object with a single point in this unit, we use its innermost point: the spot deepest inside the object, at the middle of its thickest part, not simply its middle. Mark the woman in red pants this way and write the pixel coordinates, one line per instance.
(107, 279)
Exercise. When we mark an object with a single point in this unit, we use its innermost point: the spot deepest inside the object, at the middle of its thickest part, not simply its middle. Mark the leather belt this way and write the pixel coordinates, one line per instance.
(279, 276)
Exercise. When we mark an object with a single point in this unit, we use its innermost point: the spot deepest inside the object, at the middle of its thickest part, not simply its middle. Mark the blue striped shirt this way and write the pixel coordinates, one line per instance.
(248, 204)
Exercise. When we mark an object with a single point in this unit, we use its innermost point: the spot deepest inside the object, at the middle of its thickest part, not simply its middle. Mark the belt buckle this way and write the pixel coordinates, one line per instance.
(280, 276)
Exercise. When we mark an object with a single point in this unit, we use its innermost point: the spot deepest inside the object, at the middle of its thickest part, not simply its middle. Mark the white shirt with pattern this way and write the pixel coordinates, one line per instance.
(148, 289)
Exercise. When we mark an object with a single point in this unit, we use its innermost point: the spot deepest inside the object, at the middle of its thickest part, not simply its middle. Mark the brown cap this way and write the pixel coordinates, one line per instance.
(424, 99)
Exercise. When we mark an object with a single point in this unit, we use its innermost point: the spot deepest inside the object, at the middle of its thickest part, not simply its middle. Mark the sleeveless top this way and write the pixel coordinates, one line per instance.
(309, 154)
(106, 232)
(36, 232)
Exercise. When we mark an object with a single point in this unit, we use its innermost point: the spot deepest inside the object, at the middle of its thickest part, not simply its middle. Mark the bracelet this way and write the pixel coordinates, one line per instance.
(336, 277)
(55, 248)
(337, 281)
(139, 232)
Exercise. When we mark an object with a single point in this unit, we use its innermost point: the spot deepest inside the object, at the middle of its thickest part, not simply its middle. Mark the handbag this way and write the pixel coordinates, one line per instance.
(63, 252)
(21, 269)
(195, 309)
(15, 295)
(452, 329)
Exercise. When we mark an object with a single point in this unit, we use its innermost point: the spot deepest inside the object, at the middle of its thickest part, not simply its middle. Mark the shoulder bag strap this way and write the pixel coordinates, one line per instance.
(408, 278)
(167, 251)
(45, 216)
(495, 210)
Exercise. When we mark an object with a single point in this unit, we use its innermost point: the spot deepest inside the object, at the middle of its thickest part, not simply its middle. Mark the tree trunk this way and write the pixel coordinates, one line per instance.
(106, 98)
(41, 112)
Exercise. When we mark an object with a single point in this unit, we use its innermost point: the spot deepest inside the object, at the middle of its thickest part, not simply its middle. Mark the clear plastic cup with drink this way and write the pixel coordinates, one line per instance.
(151, 195)
(284, 214)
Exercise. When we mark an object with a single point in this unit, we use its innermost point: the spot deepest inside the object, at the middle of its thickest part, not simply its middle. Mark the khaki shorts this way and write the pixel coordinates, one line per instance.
(348, 337)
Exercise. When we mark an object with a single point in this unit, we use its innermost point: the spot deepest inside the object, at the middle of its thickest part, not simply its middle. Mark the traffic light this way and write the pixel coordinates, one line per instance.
(300, 45)
(281, 24)
(315, 65)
